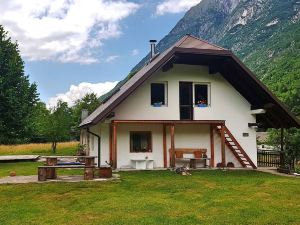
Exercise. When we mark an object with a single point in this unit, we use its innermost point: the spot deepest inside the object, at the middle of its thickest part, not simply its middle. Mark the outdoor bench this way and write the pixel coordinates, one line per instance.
(191, 154)
(48, 171)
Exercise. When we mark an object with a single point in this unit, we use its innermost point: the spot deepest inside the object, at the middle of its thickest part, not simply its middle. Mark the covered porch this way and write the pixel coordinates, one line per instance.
(169, 130)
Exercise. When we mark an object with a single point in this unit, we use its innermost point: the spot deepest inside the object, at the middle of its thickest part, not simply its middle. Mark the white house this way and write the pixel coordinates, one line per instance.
(193, 101)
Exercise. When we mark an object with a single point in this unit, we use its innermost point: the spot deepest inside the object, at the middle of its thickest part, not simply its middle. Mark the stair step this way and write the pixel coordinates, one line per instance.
(235, 148)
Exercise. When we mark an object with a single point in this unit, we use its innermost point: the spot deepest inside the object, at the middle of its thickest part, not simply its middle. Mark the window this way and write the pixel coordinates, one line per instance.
(158, 94)
(201, 95)
(140, 141)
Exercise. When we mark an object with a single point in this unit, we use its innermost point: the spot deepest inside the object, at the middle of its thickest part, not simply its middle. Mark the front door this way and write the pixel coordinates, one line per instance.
(186, 100)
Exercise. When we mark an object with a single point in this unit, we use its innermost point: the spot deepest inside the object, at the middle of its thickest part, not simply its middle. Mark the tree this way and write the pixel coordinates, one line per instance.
(17, 95)
(39, 123)
(89, 102)
(58, 124)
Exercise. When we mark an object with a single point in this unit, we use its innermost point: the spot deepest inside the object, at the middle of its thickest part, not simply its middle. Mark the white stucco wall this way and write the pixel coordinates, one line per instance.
(124, 155)
(226, 104)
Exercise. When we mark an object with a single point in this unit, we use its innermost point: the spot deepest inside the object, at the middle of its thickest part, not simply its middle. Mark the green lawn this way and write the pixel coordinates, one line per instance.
(30, 168)
(157, 197)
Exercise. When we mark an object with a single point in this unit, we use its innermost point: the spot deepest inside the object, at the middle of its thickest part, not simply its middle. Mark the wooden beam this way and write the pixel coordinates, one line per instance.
(223, 146)
(167, 67)
(258, 111)
(172, 131)
(165, 146)
(212, 147)
(110, 115)
(110, 145)
(114, 146)
(255, 125)
(213, 68)
(170, 122)
(255, 107)
(281, 139)
(270, 121)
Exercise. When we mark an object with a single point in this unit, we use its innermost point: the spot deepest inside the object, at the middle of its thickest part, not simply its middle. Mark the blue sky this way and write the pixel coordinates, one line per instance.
(69, 56)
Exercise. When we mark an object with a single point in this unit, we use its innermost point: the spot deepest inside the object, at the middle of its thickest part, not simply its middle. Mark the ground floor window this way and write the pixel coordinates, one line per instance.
(140, 141)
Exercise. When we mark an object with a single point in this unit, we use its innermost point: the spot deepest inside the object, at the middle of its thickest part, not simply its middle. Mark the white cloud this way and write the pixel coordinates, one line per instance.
(79, 91)
(63, 30)
(111, 58)
(175, 6)
(135, 52)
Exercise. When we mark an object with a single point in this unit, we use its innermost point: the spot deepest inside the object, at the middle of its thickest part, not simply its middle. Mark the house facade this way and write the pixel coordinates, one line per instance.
(193, 97)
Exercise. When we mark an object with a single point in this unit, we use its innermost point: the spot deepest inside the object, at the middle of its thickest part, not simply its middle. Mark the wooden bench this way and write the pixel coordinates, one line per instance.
(49, 172)
(196, 154)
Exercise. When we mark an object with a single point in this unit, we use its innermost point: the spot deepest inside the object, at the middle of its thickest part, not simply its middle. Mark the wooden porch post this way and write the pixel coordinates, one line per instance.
(281, 139)
(114, 146)
(223, 145)
(165, 145)
(282, 159)
(172, 129)
(212, 147)
(110, 145)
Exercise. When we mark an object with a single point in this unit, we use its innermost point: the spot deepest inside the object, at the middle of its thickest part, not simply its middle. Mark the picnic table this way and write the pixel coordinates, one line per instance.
(48, 171)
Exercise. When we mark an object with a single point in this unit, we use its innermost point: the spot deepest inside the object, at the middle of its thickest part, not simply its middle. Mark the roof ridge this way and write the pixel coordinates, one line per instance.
(207, 42)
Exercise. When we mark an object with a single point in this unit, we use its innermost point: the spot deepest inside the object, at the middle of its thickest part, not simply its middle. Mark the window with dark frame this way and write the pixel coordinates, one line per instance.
(140, 141)
(201, 94)
(158, 94)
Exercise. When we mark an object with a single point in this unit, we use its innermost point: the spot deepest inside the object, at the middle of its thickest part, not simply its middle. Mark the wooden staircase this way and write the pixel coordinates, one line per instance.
(236, 148)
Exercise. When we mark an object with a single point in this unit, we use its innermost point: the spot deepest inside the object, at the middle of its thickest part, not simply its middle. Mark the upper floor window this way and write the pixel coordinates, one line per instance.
(159, 94)
(140, 141)
(202, 95)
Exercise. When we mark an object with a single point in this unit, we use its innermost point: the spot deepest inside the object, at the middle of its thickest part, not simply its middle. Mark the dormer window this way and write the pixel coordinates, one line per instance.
(201, 95)
(159, 94)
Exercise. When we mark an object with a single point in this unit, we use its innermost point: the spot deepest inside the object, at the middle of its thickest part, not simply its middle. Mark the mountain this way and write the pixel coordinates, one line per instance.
(264, 34)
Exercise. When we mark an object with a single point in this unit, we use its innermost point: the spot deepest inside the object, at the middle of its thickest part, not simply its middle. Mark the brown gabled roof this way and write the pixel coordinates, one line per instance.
(192, 50)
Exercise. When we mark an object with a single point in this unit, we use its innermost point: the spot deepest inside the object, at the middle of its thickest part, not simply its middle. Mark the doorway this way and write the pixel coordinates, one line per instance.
(186, 100)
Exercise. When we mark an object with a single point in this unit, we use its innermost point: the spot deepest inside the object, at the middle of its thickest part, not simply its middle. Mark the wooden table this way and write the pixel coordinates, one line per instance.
(51, 165)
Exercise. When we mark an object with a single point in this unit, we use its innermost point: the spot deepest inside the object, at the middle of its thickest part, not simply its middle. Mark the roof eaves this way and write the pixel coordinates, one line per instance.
(266, 90)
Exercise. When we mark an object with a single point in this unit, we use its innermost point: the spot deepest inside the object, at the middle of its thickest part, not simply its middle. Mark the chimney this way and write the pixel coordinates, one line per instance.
(84, 114)
(152, 48)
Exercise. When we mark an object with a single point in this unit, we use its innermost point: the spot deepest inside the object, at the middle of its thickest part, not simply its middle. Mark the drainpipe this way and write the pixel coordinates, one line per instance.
(99, 141)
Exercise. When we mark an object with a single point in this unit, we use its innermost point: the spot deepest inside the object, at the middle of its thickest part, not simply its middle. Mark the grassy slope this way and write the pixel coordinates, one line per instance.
(64, 148)
(206, 197)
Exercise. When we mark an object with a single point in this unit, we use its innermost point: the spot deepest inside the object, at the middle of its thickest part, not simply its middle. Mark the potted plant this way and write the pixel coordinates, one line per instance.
(105, 171)
(202, 103)
(157, 104)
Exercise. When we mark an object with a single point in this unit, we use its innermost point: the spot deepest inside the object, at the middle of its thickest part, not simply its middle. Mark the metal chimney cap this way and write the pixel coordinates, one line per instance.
(153, 41)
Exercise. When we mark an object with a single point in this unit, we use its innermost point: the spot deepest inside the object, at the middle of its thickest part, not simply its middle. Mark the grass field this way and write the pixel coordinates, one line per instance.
(63, 148)
(156, 197)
